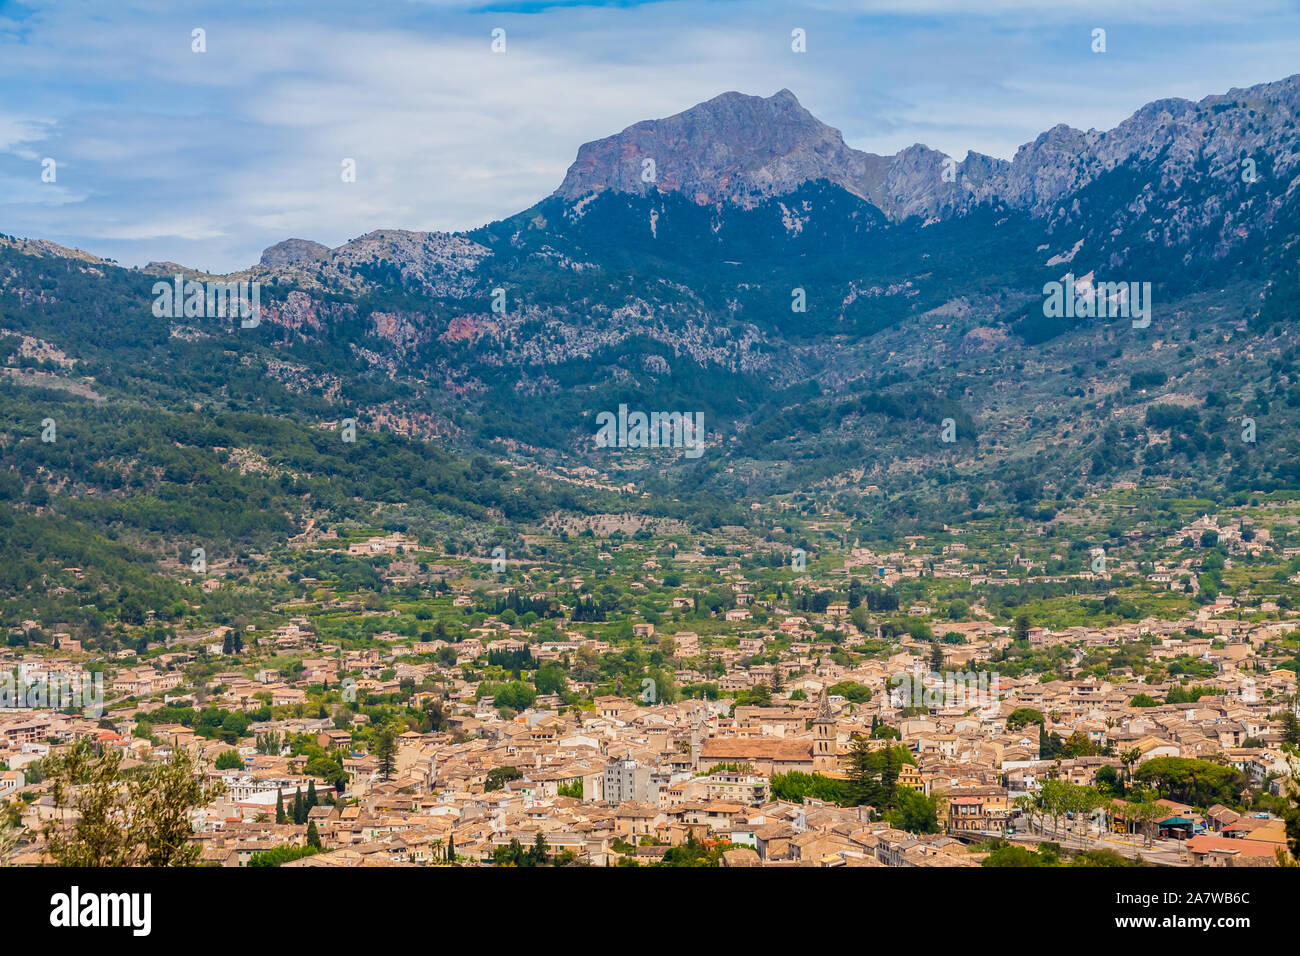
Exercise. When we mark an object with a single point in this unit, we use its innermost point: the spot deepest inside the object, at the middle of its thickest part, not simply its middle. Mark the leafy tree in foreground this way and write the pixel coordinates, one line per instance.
(8, 840)
(143, 820)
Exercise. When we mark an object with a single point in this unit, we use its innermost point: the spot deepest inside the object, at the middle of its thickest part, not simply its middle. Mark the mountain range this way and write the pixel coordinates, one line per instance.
(738, 149)
(735, 151)
(825, 308)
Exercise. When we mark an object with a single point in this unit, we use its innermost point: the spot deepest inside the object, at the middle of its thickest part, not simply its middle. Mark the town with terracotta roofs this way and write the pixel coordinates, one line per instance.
(600, 701)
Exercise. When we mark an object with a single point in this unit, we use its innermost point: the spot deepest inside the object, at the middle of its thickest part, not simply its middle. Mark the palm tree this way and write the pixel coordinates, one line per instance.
(1128, 758)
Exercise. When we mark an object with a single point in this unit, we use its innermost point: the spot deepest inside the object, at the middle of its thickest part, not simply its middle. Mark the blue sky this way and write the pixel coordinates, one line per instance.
(207, 158)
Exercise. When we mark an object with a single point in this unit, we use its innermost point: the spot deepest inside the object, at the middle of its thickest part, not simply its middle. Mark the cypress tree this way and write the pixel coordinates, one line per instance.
(279, 807)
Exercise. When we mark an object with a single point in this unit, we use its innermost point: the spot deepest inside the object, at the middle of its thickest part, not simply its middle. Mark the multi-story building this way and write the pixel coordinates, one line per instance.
(625, 780)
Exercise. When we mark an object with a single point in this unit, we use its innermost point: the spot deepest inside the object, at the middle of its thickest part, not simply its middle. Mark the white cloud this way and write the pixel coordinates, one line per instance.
(17, 132)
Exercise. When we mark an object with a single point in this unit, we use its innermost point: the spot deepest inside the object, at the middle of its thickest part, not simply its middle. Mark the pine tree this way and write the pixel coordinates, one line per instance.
(1049, 745)
(873, 778)
(1020, 628)
(537, 852)
(386, 752)
(1290, 728)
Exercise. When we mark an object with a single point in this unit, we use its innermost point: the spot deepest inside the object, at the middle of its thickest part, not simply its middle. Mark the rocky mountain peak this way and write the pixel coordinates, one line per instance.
(733, 148)
(292, 252)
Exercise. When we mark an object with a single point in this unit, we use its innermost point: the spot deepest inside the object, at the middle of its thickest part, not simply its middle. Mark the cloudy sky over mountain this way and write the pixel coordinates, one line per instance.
(206, 158)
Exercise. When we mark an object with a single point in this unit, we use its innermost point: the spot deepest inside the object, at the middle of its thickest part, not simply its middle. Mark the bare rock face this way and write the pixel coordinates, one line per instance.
(741, 149)
(734, 148)
(299, 311)
(406, 331)
(292, 252)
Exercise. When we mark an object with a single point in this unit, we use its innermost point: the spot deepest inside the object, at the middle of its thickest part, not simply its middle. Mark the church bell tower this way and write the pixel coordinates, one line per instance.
(825, 739)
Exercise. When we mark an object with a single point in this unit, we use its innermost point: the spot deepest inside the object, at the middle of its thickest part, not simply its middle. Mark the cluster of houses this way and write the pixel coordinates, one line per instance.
(628, 776)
